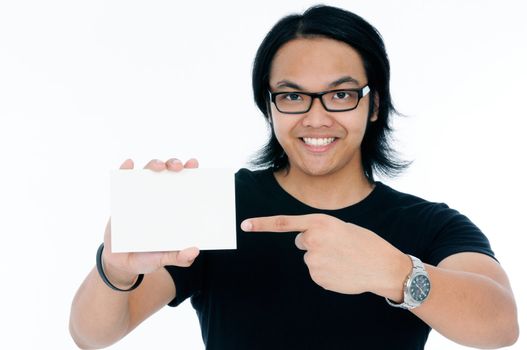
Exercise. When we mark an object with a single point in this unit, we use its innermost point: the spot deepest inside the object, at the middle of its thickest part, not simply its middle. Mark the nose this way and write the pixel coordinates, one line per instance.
(317, 116)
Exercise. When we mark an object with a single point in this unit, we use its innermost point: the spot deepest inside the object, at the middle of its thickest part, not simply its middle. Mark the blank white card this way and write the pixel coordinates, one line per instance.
(161, 211)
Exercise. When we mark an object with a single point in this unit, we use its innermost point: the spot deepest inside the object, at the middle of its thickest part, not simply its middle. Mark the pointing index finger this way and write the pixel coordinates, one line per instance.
(277, 223)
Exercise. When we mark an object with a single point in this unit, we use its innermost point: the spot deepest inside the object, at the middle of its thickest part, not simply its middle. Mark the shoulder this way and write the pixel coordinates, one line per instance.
(246, 177)
(438, 230)
(245, 173)
(412, 207)
(406, 201)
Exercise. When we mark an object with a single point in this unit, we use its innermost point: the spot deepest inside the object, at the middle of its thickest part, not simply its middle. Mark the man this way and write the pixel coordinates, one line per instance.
(327, 258)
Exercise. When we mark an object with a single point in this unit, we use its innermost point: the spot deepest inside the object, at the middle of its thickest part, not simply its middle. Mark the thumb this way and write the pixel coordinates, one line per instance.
(183, 258)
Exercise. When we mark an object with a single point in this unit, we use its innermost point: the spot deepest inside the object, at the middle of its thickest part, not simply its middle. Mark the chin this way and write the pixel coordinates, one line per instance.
(317, 170)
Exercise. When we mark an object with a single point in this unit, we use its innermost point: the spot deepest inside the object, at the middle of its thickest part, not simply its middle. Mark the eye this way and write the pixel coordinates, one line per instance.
(292, 97)
(341, 95)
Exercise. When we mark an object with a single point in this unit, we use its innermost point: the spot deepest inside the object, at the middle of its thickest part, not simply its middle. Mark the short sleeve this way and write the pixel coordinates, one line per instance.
(188, 280)
(454, 233)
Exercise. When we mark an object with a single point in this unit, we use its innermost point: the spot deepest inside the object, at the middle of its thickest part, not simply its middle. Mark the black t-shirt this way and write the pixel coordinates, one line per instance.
(261, 296)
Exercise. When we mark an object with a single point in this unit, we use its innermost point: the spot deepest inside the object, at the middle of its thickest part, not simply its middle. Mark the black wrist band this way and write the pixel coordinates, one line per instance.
(100, 269)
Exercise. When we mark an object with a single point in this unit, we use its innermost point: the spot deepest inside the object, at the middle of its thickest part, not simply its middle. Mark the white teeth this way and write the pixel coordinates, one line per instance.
(318, 142)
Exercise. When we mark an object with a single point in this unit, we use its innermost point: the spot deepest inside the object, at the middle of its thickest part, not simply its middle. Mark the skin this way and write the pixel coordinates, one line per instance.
(310, 172)
(101, 316)
(471, 301)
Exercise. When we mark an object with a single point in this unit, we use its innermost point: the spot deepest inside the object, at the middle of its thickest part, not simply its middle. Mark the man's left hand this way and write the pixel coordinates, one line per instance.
(341, 256)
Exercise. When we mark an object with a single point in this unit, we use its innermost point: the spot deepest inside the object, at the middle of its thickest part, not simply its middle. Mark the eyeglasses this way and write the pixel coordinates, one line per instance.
(341, 100)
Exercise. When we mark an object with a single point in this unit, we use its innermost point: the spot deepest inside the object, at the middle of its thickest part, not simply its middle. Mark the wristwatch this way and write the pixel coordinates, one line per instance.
(416, 287)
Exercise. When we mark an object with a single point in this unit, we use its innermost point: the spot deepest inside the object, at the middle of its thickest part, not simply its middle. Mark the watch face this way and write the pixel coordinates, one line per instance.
(420, 288)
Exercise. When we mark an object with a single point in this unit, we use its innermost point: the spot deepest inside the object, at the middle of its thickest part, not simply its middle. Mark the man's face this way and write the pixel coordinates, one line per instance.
(314, 65)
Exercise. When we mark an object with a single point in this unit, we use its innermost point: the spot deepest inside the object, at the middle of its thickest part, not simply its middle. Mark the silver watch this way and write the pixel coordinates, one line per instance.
(416, 287)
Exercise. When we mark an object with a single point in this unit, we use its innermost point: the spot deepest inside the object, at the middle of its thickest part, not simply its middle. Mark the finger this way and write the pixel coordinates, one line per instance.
(127, 164)
(174, 164)
(188, 255)
(278, 223)
(299, 241)
(192, 163)
(155, 165)
(182, 258)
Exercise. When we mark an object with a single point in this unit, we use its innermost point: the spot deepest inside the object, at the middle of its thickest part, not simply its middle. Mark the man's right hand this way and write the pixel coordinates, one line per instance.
(122, 268)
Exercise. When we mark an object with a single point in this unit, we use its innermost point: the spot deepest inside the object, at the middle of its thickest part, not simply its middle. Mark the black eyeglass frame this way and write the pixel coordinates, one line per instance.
(365, 90)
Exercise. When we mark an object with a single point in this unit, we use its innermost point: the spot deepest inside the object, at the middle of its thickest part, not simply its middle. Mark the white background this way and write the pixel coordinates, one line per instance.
(85, 85)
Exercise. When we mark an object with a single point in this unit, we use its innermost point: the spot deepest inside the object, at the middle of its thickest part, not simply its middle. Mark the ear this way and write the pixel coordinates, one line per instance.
(374, 114)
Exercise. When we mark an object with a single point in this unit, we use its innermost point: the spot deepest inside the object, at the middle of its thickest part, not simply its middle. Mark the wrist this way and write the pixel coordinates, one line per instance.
(120, 279)
(416, 288)
(401, 268)
(100, 269)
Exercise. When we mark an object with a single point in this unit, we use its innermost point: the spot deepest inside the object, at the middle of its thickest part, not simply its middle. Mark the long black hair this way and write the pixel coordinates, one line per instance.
(341, 25)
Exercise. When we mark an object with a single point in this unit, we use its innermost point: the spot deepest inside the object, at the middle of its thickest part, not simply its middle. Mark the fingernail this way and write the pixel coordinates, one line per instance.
(173, 161)
(159, 161)
(246, 225)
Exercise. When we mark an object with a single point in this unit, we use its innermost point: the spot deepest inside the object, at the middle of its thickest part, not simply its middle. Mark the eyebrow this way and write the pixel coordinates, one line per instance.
(345, 79)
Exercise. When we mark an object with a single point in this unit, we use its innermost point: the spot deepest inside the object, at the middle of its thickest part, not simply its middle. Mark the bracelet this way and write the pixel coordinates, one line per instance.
(100, 269)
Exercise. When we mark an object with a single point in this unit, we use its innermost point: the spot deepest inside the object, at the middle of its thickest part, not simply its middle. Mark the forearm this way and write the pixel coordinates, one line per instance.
(470, 309)
(99, 316)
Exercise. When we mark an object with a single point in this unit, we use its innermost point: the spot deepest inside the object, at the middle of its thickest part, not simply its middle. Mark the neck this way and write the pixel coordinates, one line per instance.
(329, 191)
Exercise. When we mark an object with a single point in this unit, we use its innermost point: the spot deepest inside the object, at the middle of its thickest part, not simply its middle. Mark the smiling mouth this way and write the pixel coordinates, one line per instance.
(318, 142)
